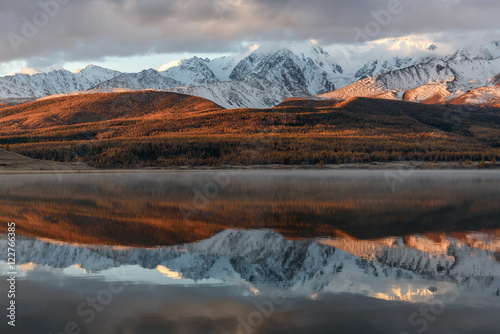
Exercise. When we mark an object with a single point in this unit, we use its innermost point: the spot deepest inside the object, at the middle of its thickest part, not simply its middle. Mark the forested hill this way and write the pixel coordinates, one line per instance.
(158, 129)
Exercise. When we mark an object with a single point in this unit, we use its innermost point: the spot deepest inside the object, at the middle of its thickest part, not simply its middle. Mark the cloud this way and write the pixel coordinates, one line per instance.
(93, 29)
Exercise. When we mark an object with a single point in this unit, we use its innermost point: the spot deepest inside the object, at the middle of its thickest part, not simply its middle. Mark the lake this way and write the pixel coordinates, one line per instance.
(254, 251)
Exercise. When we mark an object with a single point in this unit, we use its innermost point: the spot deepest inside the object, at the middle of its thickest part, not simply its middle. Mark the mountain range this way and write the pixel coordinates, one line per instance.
(412, 269)
(469, 71)
(260, 78)
(266, 75)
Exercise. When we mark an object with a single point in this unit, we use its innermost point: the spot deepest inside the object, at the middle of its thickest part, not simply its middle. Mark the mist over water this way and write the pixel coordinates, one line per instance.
(154, 209)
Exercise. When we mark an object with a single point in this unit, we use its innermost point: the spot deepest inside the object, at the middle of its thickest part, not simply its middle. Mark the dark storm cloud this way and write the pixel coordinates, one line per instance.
(81, 30)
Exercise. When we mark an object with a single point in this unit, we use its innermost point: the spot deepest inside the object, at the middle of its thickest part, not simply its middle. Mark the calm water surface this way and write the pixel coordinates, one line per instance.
(255, 252)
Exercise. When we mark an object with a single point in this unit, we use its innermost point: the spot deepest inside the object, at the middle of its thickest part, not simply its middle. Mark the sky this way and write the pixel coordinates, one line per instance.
(131, 35)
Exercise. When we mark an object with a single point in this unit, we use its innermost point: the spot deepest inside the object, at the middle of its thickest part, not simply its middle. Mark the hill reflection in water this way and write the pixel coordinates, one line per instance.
(160, 209)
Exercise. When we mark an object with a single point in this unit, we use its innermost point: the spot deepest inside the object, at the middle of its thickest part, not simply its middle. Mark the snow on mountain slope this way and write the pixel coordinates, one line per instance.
(252, 92)
(496, 80)
(55, 82)
(222, 67)
(193, 71)
(96, 74)
(368, 87)
(436, 80)
(147, 79)
(257, 93)
(187, 70)
(237, 94)
(374, 268)
(381, 56)
(297, 73)
(484, 96)
(377, 67)
(432, 93)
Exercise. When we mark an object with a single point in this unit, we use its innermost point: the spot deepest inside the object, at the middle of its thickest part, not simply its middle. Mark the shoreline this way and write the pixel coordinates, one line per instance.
(414, 165)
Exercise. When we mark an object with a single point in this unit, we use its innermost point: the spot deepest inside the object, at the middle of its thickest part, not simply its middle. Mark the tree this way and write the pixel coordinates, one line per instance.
(7, 148)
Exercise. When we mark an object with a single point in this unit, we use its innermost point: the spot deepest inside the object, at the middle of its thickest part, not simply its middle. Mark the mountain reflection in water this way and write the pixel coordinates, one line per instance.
(221, 279)
(412, 269)
(342, 250)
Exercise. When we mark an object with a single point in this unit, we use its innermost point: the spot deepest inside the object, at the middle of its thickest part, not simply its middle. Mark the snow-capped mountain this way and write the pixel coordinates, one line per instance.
(252, 92)
(194, 71)
(265, 258)
(484, 96)
(147, 79)
(35, 84)
(188, 70)
(409, 43)
(266, 75)
(432, 81)
(378, 57)
(262, 77)
(377, 67)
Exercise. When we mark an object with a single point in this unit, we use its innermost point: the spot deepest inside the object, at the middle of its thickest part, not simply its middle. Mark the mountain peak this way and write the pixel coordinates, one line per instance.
(93, 68)
(432, 47)
(171, 64)
(84, 69)
(298, 48)
(479, 52)
(28, 71)
(408, 43)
